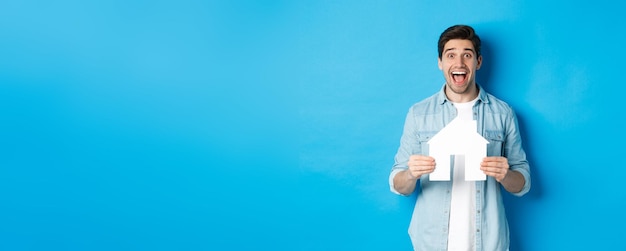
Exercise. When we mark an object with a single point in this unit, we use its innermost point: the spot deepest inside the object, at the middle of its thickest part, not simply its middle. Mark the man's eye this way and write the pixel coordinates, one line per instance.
(450, 55)
(468, 55)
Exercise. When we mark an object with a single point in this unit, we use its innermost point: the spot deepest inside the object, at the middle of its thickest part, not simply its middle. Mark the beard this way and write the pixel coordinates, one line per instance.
(463, 89)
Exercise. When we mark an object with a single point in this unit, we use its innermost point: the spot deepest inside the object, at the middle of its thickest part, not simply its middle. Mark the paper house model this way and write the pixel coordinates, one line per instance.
(458, 137)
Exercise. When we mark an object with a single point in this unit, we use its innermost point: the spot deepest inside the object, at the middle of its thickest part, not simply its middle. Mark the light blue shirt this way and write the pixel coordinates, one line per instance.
(497, 123)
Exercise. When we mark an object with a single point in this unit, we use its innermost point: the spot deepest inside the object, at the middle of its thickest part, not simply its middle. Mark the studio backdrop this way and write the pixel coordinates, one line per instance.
(272, 125)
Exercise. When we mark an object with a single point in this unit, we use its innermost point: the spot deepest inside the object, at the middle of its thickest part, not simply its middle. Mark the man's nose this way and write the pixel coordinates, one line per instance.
(459, 61)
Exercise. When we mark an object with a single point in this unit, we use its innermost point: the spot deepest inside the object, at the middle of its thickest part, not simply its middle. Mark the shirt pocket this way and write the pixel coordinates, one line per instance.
(423, 137)
(496, 142)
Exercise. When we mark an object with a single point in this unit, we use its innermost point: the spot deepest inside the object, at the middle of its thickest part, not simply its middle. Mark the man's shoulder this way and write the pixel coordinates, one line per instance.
(497, 104)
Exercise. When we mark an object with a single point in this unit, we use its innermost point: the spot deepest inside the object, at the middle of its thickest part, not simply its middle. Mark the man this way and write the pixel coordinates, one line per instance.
(460, 214)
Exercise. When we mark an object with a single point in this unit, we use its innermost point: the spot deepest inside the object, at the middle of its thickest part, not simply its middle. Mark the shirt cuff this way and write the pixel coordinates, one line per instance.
(391, 176)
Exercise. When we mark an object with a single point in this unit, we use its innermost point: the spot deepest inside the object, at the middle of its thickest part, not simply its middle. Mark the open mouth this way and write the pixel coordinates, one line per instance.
(459, 76)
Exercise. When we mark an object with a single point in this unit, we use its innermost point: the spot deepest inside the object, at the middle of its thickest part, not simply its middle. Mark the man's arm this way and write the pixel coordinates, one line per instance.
(498, 167)
(405, 181)
(513, 181)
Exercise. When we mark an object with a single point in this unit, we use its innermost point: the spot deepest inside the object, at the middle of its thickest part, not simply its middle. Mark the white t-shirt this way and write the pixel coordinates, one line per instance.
(461, 234)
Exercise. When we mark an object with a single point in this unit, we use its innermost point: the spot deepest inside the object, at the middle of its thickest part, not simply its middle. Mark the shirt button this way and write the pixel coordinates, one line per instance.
(477, 191)
(477, 230)
(477, 211)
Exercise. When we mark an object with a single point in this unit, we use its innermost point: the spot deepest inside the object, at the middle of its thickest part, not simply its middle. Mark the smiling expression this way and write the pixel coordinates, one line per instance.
(459, 64)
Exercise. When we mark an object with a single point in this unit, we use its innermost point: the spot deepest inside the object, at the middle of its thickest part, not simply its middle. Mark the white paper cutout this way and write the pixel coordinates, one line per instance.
(458, 137)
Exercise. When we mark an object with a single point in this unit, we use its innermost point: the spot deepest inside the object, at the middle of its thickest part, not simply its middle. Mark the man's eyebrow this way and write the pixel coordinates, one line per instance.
(470, 49)
(466, 49)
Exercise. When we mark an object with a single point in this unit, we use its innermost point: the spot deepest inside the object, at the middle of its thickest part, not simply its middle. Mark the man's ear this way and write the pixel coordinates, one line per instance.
(480, 62)
(439, 64)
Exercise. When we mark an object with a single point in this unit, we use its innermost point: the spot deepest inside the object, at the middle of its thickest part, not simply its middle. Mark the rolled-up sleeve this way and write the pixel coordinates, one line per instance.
(408, 145)
(392, 175)
(515, 153)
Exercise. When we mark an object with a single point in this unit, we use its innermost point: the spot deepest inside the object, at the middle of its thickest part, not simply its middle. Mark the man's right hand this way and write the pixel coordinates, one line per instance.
(420, 165)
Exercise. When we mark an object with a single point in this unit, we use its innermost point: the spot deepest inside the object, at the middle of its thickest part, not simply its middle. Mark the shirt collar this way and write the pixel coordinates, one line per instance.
(441, 97)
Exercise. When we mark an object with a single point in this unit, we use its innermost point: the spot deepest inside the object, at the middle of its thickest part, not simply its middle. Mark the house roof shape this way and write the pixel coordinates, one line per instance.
(458, 131)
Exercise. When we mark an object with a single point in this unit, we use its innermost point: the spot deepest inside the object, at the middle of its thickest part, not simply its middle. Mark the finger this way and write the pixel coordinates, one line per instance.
(421, 167)
(424, 163)
(490, 164)
(495, 160)
(421, 158)
(494, 170)
(488, 169)
(501, 164)
(421, 163)
(423, 170)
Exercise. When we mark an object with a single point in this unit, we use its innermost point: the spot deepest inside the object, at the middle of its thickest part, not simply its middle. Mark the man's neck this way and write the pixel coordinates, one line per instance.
(468, 96)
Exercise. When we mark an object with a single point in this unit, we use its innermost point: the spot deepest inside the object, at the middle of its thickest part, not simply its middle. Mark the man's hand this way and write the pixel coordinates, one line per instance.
(496, 167)
(420, 165)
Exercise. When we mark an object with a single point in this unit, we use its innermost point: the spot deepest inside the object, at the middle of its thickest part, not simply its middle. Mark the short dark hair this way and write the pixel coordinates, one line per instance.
(459, 31)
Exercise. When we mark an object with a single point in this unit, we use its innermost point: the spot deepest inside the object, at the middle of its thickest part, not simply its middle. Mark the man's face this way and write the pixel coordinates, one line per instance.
(459, 63)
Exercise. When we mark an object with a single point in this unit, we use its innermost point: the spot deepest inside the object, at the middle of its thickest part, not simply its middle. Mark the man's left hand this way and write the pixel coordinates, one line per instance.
(496, 167)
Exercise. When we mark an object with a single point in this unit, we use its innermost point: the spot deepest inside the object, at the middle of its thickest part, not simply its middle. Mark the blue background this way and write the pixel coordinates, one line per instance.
(272, 125)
